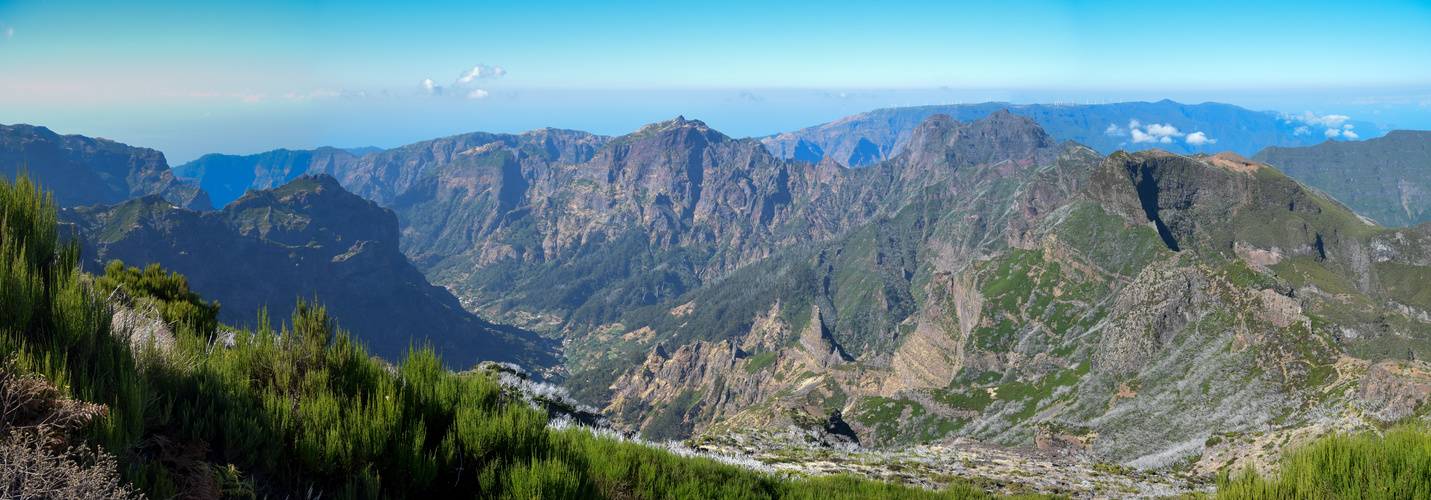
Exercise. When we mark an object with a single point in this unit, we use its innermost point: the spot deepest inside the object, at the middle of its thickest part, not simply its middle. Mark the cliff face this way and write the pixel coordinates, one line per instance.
(308, 238)
(85, 171)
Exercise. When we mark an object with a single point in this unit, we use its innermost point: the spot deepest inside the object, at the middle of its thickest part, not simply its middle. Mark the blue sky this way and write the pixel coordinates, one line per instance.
(242, 77)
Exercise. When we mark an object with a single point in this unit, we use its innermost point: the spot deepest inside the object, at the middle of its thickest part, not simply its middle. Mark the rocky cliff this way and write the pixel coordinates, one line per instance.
(83, 171)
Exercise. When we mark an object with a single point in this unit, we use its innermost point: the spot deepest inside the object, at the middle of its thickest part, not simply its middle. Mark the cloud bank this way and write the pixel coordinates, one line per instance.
(1310, 118)
(1156, 133)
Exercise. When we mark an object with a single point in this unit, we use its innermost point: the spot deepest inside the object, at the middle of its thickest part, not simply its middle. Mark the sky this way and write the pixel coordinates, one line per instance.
(190, 78)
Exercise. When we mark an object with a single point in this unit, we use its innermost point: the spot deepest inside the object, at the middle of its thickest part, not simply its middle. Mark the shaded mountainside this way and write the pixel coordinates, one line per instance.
(84, 171)
(308, 238)
(1386, 178)
(869, 138)
(378, 175)
(1129, 307)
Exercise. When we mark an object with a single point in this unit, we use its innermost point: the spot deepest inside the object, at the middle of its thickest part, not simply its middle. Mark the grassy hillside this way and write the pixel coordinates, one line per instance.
(1396, 464)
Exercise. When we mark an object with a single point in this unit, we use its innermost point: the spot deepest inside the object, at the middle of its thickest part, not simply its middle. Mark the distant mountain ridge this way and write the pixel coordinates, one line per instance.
(1386, 178)
(378, 175)
(90, 171)
(227, 177)
(868, 138)
(307, 238)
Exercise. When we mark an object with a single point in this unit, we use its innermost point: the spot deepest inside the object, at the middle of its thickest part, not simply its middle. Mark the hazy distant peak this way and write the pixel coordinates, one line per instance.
(362, 151)
(678, 124)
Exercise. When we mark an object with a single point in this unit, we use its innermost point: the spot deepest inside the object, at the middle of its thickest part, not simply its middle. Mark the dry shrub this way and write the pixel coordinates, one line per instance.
(31, 468)
(37, 460)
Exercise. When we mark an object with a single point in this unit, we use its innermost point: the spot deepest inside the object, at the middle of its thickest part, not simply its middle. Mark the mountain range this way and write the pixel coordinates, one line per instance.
(992, 278)
(988, 281)
(871, 137)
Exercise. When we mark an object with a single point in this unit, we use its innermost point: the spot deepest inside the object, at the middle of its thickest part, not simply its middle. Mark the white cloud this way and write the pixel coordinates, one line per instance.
(1164, 130)
(1310, 118)
(1331, 132)
(1348, 126)
(480, 72)
(1349, 134)
(1303, 130)
(431, 87)
(9, 32)
(1156, 132)
(1199, 138)
(478, 94)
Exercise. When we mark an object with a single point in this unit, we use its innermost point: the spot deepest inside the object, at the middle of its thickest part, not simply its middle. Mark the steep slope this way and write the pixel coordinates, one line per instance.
(869, 138)
(1386, 178)
(85, 171)
(1130, 309)
(308, 238)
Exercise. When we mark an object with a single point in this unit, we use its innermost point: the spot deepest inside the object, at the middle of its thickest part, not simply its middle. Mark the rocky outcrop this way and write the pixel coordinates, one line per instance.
(1392, 390)
(83, 171)
(1147, 315)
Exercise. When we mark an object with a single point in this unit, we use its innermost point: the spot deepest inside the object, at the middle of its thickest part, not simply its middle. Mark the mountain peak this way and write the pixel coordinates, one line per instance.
(677, 124)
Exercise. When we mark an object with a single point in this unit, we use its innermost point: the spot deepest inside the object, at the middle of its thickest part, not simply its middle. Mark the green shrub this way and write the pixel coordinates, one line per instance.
(1356, 466)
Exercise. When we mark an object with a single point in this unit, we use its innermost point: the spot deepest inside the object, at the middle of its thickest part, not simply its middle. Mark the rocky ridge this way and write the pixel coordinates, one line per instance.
(83, 171)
